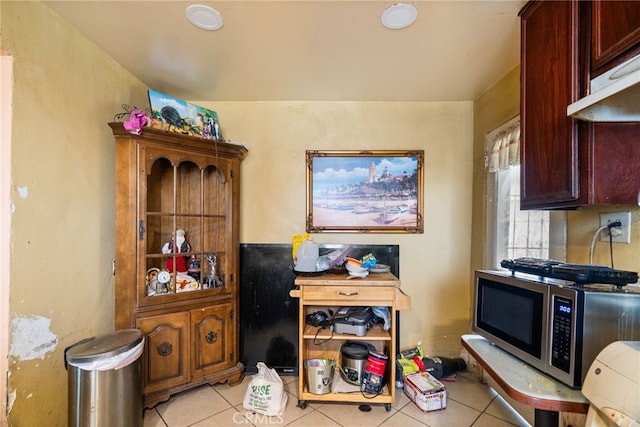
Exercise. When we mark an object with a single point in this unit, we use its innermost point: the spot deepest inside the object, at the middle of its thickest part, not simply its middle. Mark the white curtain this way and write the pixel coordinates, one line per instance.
(503, 146)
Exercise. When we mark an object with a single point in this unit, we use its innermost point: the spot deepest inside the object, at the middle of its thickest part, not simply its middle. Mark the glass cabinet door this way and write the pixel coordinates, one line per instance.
(183, 224)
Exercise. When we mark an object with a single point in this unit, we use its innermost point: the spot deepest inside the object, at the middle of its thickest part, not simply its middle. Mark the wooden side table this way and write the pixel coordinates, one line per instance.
(318, 293)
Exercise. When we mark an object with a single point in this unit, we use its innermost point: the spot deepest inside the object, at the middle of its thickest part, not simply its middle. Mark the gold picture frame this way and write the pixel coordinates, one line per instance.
(379, 191)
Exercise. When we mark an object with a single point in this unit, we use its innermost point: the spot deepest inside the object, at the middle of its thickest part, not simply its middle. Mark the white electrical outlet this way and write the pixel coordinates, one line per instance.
(621, 235)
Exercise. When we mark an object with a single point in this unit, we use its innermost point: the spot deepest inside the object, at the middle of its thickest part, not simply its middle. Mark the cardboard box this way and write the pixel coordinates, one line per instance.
(425, 391)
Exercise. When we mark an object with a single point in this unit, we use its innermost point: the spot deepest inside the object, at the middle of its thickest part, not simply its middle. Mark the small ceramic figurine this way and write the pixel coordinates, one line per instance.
(194, 268)
(181, 246)
(214, 129)
(212, 280)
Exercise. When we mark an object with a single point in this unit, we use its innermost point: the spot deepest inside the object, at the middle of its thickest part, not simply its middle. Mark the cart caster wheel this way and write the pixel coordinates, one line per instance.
(302, 404)
(387, 407)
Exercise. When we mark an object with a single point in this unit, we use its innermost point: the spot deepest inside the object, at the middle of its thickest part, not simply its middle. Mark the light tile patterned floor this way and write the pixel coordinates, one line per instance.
(469, 403)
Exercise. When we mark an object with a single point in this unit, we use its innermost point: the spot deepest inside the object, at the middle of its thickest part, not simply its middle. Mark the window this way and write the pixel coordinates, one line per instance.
(518, 233)
(511, 232)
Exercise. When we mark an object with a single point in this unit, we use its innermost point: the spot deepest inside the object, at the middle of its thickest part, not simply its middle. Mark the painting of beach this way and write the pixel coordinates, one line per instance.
(364, 191)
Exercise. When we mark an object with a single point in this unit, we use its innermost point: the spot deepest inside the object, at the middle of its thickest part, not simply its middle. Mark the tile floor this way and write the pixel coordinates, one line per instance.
(469, 403)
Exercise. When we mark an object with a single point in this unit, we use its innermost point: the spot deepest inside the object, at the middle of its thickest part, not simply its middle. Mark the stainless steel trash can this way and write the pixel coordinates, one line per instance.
(105, 383)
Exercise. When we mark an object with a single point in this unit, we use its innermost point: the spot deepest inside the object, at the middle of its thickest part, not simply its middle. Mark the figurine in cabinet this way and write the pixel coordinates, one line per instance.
(179, 240)
(212, 280)
(194, 268)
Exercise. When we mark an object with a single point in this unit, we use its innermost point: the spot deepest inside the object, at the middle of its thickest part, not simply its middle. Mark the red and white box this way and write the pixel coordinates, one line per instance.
(425, 391)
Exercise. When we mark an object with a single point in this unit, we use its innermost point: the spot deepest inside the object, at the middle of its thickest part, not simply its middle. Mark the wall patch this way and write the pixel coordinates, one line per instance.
(31, 337)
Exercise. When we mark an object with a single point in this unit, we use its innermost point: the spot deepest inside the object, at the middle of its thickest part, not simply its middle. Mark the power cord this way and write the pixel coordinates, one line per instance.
(609, 226)
(320, 329)
(611, 247)
(615, 224)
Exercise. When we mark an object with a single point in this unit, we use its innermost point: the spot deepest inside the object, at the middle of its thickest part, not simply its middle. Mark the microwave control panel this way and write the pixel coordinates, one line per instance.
(562, 327)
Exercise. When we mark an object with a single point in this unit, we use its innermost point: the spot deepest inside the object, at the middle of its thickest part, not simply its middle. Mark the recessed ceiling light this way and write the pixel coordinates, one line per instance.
(204, 17)
(400, 15)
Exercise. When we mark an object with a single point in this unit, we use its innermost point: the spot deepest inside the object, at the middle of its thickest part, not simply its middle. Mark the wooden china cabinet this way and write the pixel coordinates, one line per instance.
(183, 296)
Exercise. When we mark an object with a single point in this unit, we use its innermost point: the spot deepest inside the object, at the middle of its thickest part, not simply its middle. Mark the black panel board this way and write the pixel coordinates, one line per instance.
(268, 315)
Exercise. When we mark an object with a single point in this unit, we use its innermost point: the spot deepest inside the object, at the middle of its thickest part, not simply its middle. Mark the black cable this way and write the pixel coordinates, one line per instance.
(614, 224)
(315, 338)
(611, 247)
(371, 395)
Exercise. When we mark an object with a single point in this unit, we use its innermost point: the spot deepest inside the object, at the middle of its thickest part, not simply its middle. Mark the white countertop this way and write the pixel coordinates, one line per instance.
(522, 382)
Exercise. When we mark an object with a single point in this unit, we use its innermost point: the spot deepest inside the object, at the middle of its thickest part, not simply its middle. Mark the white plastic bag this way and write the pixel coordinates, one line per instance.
(265, 394)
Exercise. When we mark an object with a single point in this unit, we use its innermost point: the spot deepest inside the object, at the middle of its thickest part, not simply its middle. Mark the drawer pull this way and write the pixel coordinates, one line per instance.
(348, 294)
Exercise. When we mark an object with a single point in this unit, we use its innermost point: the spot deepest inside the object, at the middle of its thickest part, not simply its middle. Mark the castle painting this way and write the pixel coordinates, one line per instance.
(364, 191)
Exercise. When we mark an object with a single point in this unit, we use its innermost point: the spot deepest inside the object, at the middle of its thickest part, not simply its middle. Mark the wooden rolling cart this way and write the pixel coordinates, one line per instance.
(339, 290)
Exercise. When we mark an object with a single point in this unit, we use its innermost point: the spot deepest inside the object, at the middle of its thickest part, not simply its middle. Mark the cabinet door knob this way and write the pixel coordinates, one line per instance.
(165, 349)
(211, 337)
(347, 294)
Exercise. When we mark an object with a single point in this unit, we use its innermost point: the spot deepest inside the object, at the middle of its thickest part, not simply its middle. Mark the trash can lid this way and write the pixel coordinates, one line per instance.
(104, 346)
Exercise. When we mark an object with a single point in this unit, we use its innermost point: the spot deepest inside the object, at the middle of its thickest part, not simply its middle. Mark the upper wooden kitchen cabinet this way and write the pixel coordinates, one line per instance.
(182, 295)
(615, 33)
(567, 163)
(549, 139)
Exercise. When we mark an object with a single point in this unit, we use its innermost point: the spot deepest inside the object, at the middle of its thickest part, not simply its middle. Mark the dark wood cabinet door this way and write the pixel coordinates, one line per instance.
(614, 163)
(549, 67)
(615, 33)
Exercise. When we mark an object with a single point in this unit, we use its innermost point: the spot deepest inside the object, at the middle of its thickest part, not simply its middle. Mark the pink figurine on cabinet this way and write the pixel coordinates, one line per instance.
(137, 120)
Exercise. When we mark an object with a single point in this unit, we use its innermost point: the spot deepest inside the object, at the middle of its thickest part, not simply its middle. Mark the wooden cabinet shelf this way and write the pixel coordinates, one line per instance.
(337, 290)
(182, 296)
(385, 398)
(376, 333)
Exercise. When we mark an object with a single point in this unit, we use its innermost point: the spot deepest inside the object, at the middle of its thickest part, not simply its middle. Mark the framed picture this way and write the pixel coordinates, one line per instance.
(180, 116)
(365, 191)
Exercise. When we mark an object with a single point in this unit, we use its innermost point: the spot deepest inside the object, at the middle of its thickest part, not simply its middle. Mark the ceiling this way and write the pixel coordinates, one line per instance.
(309, 50)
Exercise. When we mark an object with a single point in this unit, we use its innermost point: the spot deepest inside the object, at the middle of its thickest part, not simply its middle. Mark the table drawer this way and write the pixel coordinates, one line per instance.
(346, 295)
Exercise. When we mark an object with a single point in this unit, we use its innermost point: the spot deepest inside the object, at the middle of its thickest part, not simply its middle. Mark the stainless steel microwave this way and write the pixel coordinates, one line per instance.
(553, 325)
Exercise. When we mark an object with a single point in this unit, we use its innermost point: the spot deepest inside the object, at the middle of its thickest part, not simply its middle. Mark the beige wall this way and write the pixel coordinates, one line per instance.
(62, 222)
(433, 265)
(497, 105)
(6, 76)
(583, 223)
